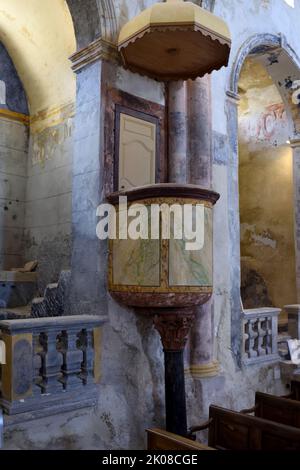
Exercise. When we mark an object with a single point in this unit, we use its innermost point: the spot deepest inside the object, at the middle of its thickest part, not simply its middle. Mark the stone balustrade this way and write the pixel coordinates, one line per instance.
(52, 364)
(260, 335)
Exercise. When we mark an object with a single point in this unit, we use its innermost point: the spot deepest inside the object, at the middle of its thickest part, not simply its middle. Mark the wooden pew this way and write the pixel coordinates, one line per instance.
(163, 440)
(295, 390)
(229, 430)
(278, 409)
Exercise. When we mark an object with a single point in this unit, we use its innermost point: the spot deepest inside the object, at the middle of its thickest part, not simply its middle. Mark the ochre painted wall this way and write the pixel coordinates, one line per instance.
(266, 193)
(39, 37)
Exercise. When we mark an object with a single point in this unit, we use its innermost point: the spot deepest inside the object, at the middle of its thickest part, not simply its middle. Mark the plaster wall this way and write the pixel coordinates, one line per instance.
(39, 37)
(13, 161)
(48, 205)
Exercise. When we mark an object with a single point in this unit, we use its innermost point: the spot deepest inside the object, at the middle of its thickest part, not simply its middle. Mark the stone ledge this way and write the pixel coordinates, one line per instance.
(31, 324)
(16, 276)
(255, 312)
(97, 50)
(59, 404)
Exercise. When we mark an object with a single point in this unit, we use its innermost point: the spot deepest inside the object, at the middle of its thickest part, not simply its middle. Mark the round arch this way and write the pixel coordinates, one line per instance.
(283, 65)
(93, 19)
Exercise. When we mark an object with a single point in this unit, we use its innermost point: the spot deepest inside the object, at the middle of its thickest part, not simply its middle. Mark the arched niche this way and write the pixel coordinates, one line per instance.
(93, 19)
(283, 65)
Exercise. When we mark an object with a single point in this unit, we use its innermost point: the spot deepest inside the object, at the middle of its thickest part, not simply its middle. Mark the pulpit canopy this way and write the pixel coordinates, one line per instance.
(175, 40)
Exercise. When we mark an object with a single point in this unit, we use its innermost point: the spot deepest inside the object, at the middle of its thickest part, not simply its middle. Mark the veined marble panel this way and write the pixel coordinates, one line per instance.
(136, 262)
(192, 268)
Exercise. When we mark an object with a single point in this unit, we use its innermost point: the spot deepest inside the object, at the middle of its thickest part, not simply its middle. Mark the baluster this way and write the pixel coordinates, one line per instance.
(51, 363)
(87, 347)
(38, 353)
(262, 332)
(269, 335)
(72, 360)
(252, 338)
(246, 340)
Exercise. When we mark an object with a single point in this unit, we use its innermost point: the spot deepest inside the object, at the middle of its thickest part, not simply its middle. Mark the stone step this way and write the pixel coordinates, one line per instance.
(52, 304)
(16, 313)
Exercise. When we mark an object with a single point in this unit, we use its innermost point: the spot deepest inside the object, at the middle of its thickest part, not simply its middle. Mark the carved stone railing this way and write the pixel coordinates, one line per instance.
(52, 364)
(260, 335)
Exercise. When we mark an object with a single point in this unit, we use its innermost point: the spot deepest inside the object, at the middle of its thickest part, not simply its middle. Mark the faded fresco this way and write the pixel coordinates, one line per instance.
(266, 193)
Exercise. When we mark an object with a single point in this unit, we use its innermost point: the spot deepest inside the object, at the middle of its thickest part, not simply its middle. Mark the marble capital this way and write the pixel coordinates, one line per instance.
(174, 328)
(295, 143)
(233, 97)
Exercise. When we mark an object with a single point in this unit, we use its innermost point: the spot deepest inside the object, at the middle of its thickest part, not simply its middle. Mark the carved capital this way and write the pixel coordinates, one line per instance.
(233, 97)
(295, 142)
(174, 328)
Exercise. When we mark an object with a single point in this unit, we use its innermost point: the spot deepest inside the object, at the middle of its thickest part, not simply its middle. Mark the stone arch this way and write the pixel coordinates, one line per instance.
(283, 65)
(207, 4)
(93, 19)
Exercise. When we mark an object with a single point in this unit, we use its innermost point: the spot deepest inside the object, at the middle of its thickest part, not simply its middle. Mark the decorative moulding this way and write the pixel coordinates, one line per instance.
(100, 49)
(233, 96)
(295, 142)
(202, 371)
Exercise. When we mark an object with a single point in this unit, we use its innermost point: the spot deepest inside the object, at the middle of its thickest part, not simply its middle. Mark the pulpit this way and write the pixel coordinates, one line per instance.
(164, 276)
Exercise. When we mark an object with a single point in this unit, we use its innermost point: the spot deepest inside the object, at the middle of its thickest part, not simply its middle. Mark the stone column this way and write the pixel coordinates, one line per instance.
(174, 326)
(201, 352)
(89, 261)
(177, 132)
(231, 108)
(200, 131)
(295, 145)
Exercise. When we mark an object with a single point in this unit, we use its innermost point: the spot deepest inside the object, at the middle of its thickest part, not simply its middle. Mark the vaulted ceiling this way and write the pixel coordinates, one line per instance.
(39, 36)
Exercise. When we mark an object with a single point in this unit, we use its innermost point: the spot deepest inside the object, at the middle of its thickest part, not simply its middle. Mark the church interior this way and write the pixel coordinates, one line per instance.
(110, 339)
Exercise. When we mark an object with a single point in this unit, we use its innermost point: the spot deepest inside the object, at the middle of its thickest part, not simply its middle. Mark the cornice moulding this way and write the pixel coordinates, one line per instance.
(99, 49)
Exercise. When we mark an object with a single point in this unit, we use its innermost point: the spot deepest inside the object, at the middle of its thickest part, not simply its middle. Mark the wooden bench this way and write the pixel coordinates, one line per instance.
(163, 440)
(229, 430)
(295, 390)
(278, 409)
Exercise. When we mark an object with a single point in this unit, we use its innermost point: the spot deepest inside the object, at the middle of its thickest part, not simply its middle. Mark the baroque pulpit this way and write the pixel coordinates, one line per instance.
(170, 42)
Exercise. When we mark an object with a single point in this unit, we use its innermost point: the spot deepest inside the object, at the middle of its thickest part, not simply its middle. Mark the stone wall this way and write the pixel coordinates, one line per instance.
(49, 200)
(13, 161)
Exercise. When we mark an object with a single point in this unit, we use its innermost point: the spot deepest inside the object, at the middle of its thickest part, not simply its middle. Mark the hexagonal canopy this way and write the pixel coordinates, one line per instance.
(175, 40)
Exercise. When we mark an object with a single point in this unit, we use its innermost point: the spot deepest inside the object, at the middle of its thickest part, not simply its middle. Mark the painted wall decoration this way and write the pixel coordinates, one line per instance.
(263, 120)
(272, 119)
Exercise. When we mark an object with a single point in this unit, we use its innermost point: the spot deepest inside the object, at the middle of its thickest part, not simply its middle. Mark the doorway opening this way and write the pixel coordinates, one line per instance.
(268, 264)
